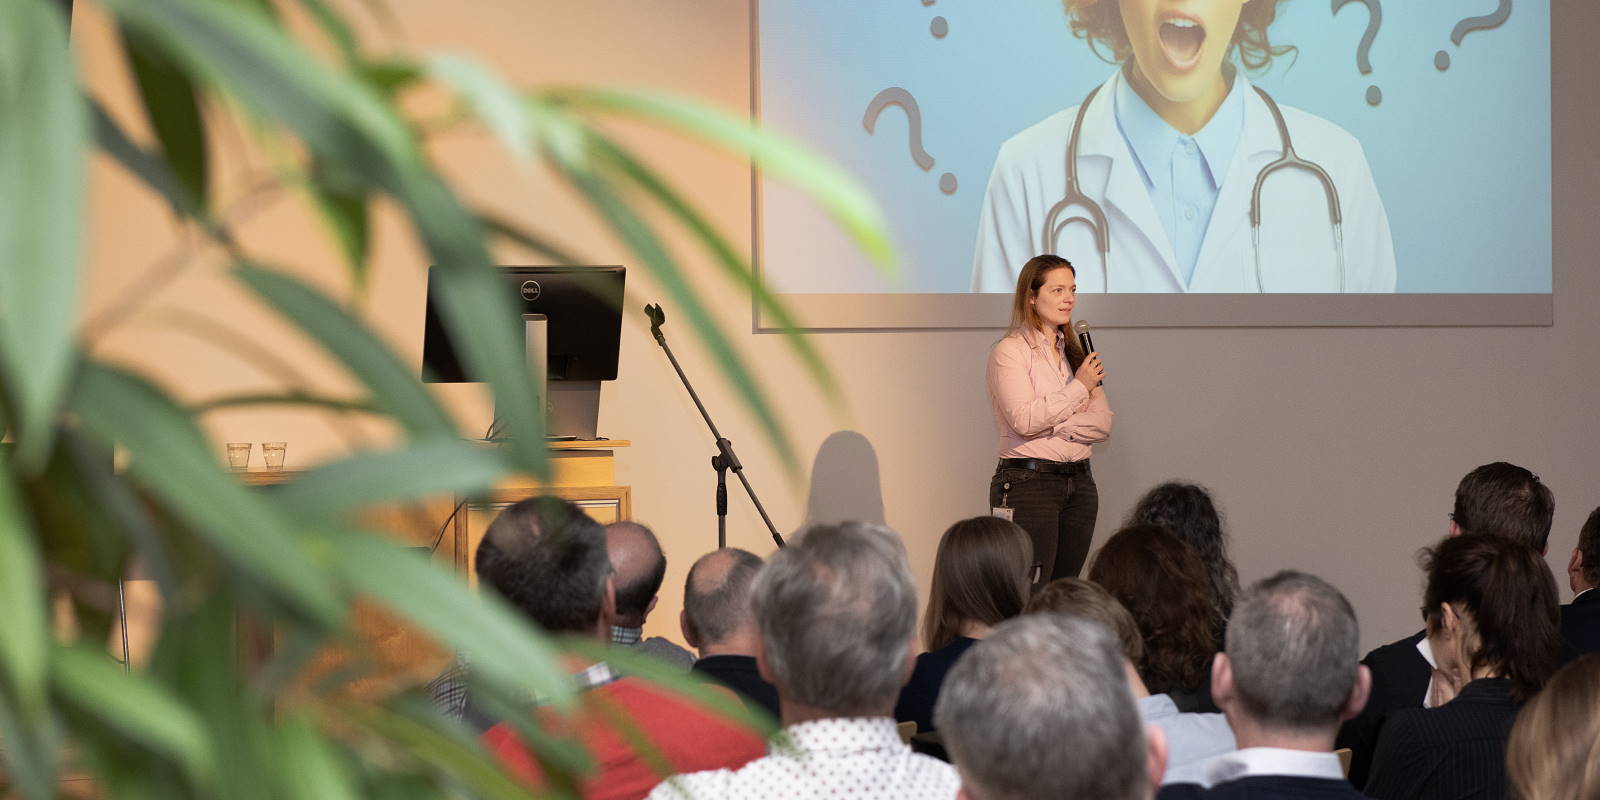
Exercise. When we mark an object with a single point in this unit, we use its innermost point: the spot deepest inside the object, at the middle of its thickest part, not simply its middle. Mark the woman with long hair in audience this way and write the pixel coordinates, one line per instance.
(1493, 626)
(1188, 511)
(1554, 753)
(1163, 584)
(981, 577)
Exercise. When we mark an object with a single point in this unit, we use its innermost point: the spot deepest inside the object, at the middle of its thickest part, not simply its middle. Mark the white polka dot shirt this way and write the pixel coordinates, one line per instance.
(860, 757)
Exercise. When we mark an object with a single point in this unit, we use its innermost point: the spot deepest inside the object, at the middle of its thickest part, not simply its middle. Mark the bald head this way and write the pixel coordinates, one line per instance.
(716, 601)
(639, 568)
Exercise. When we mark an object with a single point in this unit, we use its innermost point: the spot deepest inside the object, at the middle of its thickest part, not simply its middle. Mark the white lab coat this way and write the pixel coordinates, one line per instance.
(1296, 233)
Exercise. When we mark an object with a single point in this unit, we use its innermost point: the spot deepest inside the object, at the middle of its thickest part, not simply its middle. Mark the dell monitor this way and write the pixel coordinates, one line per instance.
(582, 312)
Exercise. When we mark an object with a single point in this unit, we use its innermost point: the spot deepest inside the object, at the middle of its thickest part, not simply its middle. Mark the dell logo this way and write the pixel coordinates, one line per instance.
(531, 290)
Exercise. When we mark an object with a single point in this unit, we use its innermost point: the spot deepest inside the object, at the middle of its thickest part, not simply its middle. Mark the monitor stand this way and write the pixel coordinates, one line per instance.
(572, 408)
(573, 411)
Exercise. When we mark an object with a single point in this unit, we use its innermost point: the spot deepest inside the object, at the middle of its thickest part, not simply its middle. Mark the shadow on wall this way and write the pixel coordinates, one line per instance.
(844, 482)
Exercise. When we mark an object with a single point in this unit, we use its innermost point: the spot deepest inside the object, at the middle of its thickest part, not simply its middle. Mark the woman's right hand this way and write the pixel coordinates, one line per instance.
(1091, 372)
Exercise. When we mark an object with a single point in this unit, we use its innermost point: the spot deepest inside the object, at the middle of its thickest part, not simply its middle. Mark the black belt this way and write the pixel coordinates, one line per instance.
(1041, 465)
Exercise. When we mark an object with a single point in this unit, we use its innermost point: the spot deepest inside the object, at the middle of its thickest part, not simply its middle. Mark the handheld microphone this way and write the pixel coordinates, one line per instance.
(1082, 328)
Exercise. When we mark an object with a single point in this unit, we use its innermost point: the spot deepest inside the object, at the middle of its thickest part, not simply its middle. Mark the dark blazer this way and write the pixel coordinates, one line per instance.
(1400, 677)
(922, 691)
(1457, 750)
(1580, 623)
(739, 674)
(1265, 786)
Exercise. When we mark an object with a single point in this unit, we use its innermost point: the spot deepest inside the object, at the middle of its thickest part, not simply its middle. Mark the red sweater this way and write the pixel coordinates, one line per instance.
(687, 736)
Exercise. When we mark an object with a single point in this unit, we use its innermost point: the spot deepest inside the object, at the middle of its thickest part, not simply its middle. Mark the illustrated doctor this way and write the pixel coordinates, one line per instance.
(1177, 175)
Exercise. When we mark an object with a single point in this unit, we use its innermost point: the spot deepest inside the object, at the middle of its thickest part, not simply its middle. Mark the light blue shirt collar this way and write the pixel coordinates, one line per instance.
(1152, 139)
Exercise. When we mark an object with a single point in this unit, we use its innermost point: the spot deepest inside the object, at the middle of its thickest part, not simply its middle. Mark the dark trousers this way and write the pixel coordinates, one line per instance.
(1057, 511)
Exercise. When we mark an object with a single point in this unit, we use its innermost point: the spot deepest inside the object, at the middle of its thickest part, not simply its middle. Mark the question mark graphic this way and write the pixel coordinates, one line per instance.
(1494, 19)
(896, 96)
(940, 27)
(1363, 50)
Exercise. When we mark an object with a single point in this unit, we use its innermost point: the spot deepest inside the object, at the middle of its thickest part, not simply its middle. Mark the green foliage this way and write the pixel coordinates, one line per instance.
(43, 138)
(205, 717)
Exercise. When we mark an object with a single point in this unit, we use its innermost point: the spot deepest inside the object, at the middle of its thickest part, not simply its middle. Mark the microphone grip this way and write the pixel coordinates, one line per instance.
(1088, 347)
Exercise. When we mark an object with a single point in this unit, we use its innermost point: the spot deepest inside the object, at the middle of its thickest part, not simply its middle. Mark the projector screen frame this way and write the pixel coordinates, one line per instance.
(958, 310)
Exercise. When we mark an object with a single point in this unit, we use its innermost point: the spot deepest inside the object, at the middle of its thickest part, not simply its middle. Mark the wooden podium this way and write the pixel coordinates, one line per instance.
(581, 471)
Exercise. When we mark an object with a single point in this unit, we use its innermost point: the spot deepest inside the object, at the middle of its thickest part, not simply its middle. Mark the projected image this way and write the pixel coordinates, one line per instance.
(1168, 161)
(1169, 146)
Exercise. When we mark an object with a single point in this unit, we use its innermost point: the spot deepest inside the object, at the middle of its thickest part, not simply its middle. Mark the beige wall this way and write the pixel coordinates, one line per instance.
(1330, 450)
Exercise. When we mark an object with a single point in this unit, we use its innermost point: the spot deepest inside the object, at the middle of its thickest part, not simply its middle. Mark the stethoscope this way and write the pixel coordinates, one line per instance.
(1096, 218)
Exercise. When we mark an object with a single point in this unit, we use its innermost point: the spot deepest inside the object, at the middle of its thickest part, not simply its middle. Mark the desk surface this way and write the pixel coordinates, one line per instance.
(590, 444)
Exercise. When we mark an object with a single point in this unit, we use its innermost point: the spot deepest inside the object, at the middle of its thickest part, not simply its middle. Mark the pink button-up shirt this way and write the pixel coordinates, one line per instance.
(1041, 410)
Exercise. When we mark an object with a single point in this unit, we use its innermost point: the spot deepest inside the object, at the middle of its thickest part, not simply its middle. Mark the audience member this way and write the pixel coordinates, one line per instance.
(1492, 622)
(1188, 511)
(1191, 737)
(1286, 679)
(717, 621)
(1041, 710)
(640, 567)
(549, 560)
(1554, 752)
(1580, 619)
(981, 577)
(1163, 584)
(837, 612)
(1498, 499)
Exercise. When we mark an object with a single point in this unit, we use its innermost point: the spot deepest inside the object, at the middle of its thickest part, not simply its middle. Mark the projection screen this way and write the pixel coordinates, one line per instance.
(1274, 162)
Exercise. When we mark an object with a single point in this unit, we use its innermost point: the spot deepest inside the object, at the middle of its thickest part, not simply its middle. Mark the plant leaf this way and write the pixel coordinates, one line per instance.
(472, 299)
(245, 54)
(307, 766)
(465, 762)
(24, 646)
(292, 398)
(44, 135)
(503, 647)
(149, 168)
(30, 745)
(648, 247)
(496, 103)
(24, 635)
(335, 28)
(845, 199)
(423, 468)
(172, 105)
(645, 667)
(724, 255)
(346, 121)
(392, 386)
(504, 228)
(138, 708)
(343, 206)
(171, 459)
(389, 76)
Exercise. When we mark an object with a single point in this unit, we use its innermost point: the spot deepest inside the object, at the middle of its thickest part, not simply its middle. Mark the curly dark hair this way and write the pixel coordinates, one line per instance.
(1188, 511)
(1162, 583)
(1099, 22)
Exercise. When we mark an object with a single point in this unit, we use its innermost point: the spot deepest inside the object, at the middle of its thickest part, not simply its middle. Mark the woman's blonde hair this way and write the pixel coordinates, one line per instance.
(1099, 22)
(1554, 752)
(981, 574)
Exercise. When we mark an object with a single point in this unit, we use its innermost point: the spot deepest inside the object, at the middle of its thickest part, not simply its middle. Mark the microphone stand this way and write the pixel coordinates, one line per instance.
(725, 459)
